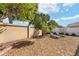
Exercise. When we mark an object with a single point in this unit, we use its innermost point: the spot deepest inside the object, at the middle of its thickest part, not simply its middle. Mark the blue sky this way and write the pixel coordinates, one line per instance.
(62, 13)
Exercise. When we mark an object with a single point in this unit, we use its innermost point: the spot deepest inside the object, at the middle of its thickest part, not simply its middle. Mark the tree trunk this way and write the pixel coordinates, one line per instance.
(36, 33)
(43, 33)
(28, 30)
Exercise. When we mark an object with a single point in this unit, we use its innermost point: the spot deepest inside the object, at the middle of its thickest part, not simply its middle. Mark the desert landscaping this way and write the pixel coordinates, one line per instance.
(35, 29)
(46, 46)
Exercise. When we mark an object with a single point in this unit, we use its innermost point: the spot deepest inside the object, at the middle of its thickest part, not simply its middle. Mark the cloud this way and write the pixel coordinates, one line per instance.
(66, 18)
(48, 8)
(53, 7)
(68, 4)
(70, 18)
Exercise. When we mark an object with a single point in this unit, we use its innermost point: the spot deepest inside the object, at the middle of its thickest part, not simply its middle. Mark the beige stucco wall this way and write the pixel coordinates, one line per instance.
(15, 32)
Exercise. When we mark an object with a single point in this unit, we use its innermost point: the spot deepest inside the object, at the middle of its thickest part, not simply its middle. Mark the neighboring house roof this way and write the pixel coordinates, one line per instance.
(74, 24)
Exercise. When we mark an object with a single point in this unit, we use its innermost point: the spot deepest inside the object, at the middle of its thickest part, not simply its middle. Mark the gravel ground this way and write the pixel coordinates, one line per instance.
(47, 46)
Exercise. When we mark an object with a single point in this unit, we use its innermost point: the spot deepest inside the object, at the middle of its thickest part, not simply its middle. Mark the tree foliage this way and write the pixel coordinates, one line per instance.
(42, 21)
(52, 24)
(21, 11)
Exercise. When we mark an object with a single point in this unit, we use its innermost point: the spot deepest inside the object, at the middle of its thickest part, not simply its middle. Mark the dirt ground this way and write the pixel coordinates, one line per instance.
(46, 46)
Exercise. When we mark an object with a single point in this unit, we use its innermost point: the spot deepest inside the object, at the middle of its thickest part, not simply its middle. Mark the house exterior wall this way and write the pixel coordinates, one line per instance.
(72, 30)
(67, 30)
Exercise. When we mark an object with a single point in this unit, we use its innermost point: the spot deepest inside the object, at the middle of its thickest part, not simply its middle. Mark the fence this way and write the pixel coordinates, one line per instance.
(9, 32)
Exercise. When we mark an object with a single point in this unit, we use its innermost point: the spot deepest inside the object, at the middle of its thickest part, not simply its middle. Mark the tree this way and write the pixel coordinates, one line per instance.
(45, 19)
(52, 24)
(40, 22)
(20, 11)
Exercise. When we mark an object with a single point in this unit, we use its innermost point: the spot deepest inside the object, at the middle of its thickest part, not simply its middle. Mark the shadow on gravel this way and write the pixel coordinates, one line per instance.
(77, 51)
(22, 44)
(74, 35)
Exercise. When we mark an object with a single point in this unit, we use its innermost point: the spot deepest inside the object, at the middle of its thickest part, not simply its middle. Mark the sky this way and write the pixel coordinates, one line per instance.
(62, 13)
